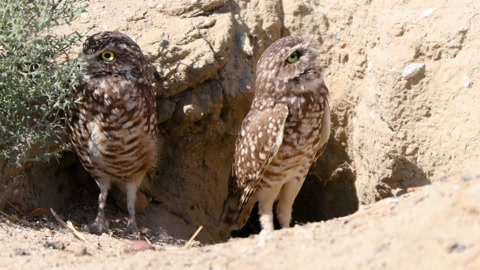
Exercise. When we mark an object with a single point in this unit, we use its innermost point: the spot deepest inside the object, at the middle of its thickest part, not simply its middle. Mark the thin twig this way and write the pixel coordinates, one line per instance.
(148, 240)
(68, 225)
(16, 208)
(190, 241)
(11, 217)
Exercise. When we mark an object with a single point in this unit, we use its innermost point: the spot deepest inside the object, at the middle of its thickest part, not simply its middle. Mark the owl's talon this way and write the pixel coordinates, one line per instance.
(97, 227)
(132, 228)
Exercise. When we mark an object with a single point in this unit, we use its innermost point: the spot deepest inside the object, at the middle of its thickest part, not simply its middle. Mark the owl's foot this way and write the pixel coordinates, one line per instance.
(266, 221)
(264, 233)
(132, 227)
(98, 227)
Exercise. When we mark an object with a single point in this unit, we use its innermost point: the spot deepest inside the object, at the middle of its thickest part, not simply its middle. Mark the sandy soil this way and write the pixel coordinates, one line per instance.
(433, 227)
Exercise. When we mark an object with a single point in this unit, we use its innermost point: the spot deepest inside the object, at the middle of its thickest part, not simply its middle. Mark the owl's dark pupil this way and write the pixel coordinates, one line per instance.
(293, 57)
(107, 55)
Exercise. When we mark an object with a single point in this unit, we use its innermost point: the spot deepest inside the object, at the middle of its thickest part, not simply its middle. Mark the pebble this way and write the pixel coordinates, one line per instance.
(47, 231)
(54, 245)
(466, 82)
(426, 13)
(84, 17)
(21, 252)
(413, 70)
(187, 109)
(82, 251)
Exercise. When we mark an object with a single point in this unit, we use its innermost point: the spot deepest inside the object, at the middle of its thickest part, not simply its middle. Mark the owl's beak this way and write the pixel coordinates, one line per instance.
(80, 61)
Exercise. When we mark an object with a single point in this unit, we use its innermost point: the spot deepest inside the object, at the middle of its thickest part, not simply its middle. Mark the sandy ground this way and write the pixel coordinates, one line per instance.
(432, 227)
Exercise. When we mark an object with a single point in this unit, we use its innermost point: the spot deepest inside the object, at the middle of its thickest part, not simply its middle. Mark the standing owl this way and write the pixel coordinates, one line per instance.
(112, 119)
(285, 131)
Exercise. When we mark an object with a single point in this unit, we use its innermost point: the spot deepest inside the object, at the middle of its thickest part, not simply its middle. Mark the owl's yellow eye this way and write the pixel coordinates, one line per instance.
(108, 56)
(293, 57)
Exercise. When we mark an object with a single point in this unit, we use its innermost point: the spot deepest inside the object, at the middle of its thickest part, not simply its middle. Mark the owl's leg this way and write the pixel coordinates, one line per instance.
(131, 188)
(285, 201)
(100, 225)
(266, 197)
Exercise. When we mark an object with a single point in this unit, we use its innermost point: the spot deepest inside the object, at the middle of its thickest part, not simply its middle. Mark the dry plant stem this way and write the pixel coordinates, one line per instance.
(190, 241)
(68, 225)
(11, 217)
(16, 208)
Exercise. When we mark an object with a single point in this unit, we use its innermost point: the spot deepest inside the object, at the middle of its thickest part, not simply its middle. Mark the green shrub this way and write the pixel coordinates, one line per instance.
(36, 76)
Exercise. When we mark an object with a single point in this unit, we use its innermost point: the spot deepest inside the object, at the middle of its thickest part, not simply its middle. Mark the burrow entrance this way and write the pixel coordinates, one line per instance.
(328, 192)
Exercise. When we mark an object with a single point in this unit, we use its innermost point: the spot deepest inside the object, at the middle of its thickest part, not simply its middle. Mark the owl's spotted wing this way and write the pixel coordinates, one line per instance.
(258, 142)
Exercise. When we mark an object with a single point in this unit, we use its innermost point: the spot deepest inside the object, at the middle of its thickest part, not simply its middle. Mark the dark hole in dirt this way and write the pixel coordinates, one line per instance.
(328, 192)
(317, 200)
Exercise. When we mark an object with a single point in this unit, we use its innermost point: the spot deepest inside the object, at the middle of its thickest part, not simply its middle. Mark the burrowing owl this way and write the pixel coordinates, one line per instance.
(112, 118)
(285, 131)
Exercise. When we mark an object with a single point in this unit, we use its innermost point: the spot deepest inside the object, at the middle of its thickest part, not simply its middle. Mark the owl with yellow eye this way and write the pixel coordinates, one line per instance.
(285, 131)
(112, 119)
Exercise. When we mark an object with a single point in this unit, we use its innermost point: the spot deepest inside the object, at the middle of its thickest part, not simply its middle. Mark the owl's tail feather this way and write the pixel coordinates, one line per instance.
(230, 212)
(232, 216)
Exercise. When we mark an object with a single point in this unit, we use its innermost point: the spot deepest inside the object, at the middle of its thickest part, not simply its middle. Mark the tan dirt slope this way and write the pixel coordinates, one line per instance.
(433, 227)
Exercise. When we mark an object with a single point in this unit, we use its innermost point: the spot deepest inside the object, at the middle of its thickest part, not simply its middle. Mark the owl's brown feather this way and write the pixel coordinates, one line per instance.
(290, 107)
(112, 119)
(262, 129)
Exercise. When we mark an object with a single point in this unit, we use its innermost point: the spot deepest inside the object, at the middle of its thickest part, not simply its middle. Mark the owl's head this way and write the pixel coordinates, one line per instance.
(289, 64)
(107, 54)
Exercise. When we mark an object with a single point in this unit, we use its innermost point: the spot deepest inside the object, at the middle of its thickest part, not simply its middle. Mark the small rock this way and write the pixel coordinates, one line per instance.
(187, 109)
(47, 231)
(413, 70)
(426, 13)
(456, 247)
(84, 17)
(466, 82)
(152, 4)
(54, 245)
(411, 150)
(82, 251)
(21, 252)
(246, 45)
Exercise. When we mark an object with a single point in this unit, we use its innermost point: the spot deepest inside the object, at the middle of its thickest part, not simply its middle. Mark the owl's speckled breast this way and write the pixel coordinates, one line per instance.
(112, 119)
(306, 131)
(118, 134)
